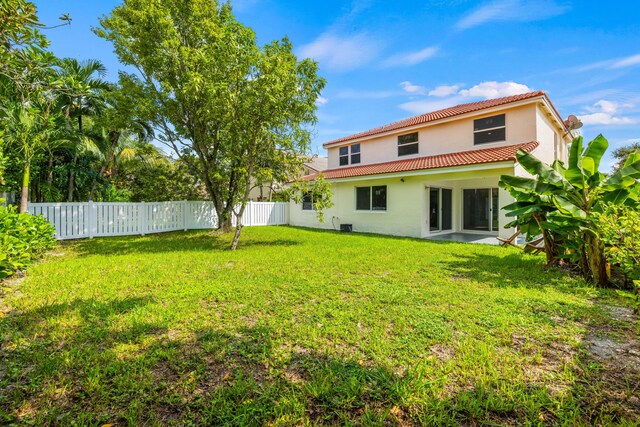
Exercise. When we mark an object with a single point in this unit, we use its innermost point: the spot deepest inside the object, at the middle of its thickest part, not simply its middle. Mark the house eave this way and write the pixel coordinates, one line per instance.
(433, 171)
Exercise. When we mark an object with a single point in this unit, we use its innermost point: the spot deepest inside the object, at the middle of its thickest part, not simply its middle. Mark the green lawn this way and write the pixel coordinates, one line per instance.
(300, 327)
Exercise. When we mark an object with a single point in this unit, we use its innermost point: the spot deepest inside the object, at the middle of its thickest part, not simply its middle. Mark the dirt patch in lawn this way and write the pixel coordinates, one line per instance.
(613, 359)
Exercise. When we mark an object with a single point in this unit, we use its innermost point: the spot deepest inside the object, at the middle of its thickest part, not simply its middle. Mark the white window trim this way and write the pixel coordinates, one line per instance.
(408, 144)
(506, 136)
(370, 210)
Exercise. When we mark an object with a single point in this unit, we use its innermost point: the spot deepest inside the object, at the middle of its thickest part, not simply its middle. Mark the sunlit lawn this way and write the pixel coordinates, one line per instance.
(296, 327)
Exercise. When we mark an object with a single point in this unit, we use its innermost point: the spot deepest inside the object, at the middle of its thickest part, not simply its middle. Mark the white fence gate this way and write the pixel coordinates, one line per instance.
(95, 219)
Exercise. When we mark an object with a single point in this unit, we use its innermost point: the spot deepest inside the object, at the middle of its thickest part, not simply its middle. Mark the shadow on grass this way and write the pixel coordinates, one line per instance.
(245, 377)
(514, 269)
(176, 241)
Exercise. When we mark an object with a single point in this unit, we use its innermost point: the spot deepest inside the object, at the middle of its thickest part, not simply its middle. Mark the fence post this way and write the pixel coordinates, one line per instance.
(184, 214)
(142, 217)
(88, 224)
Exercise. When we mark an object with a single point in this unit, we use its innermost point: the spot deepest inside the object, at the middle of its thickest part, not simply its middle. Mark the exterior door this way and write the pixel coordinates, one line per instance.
(480, 209)
(440, 209)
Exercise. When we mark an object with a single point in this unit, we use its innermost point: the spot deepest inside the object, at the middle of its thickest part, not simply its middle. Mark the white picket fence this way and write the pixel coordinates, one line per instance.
(97, 219)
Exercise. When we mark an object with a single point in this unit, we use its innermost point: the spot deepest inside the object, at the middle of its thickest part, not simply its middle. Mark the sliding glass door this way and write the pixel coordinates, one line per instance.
(440, 209)
(480, 209)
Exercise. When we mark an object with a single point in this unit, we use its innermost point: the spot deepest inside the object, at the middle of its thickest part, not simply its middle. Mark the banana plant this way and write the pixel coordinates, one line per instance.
(559, 201)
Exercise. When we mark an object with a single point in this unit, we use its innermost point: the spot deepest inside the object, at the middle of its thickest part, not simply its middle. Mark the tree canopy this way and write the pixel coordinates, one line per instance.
(232, 110)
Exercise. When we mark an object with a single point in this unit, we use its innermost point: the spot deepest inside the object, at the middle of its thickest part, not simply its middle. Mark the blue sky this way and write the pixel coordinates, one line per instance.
(385, 61)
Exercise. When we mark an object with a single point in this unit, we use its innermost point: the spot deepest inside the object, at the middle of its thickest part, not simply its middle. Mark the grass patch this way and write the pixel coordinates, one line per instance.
(296, 327)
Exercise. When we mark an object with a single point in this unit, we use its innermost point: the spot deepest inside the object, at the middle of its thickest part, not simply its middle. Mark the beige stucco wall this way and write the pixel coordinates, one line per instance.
(450, 137)
(407, 203)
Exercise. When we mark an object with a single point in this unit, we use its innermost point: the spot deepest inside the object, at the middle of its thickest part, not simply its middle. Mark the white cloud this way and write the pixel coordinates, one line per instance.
(412, 89)
(511, 10)
(626, 62)
(410, 58)
(611, 64)
(321, 100)
(427, 106)
(604, 106)
(493, 89)
(605, 119)
(606, 112)
(342, 53)
(444, 90)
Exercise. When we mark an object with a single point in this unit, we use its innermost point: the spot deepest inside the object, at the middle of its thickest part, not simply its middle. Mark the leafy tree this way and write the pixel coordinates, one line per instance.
(119, 131)
(30, 129)
(81, 92)
(161, 179)
(23, 54)
(622, 153)
(560, 201)
(226, 106)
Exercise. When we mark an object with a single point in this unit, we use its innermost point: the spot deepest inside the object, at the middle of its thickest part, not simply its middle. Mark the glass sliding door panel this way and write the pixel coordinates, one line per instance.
(476, 209)
(495, 210)
(434, 209)
(447, 208)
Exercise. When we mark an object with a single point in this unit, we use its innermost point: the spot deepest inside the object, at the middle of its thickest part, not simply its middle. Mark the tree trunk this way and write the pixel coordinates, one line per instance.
(236, 236)
(597, 262)
(24, 197)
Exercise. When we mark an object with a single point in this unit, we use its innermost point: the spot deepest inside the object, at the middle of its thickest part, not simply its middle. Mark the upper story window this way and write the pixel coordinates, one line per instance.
(489, 129)
(408, 144)
(350, 155)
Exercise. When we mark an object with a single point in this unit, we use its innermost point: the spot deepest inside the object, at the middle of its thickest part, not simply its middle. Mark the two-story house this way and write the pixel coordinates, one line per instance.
(437, 173)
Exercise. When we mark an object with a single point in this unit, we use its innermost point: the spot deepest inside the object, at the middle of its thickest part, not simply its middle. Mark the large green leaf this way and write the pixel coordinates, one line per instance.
(593, 154)
(530, 185)
(617, 197)
(527, 210)
(626, 176)
(568, 208)
(575, 151)
(534, 166)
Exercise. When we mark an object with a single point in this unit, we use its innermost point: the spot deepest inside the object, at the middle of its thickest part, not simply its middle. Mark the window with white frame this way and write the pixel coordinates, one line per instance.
(489, 129)
(408, 144)
(350, 155)
(372, 198)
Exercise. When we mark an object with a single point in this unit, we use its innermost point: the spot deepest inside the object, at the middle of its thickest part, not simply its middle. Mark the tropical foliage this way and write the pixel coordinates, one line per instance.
(619, 227)
(23, 238)
(66, 134)
(560, 203)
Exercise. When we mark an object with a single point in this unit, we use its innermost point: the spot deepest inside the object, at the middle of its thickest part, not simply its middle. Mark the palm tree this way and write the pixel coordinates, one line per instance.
(31, 129)
(117, 146)
(81, 91)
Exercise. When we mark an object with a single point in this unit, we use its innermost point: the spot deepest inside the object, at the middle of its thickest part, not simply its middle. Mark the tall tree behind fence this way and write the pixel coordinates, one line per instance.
(96, 219)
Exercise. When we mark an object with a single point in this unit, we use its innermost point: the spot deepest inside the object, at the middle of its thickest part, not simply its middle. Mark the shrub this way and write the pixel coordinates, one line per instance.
(619, 228)
(23, 238)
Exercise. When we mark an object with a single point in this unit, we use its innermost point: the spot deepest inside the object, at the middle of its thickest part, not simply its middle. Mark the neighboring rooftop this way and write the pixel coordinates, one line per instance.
(462, 158)
(317, 163)
(444, 114)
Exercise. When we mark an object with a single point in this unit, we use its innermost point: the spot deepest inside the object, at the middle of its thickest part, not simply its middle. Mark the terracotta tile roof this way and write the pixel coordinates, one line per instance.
(441, 114)
(461, 158)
